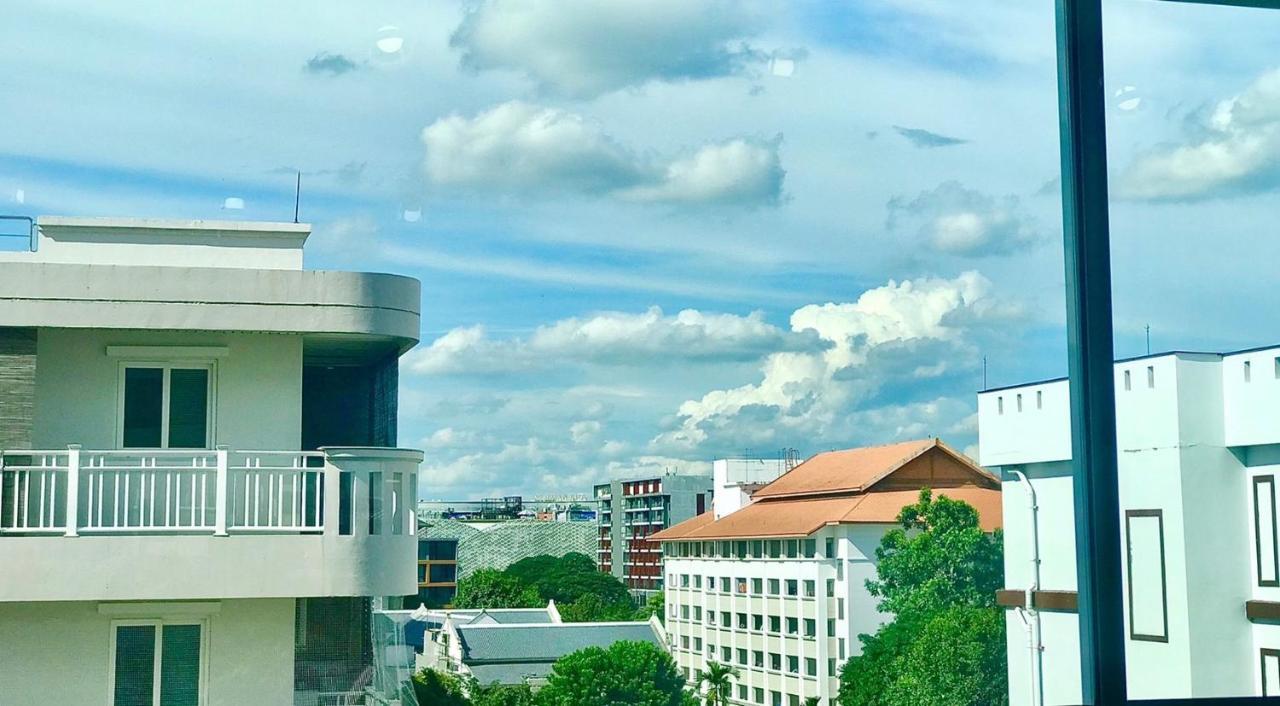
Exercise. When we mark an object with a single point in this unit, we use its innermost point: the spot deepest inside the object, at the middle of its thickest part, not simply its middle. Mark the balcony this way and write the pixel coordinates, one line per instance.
(163, 525)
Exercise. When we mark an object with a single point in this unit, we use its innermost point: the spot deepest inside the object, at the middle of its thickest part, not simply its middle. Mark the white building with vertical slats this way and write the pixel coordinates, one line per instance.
(200, 489)
(1199, 459)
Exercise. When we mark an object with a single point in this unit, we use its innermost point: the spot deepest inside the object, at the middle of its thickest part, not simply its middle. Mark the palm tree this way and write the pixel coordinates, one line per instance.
(719, 680)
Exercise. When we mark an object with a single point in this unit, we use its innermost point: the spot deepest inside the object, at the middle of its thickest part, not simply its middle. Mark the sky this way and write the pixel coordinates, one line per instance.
(651, 233)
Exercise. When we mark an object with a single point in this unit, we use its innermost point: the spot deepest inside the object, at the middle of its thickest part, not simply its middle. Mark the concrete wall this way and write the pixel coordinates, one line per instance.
(59, 653)
(258, 386)
(1252, 405)
(1040, 432)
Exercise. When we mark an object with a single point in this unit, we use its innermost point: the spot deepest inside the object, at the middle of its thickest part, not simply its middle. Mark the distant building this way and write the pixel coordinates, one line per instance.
(777, 586)
(450, 550)
(505, 649)
(634, 509)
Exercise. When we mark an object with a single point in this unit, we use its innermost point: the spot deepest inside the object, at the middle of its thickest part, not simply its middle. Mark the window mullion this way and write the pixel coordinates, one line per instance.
(157, 661)
(164, 409)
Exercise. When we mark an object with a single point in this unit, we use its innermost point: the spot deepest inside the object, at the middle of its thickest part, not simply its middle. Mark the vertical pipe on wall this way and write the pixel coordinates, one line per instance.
(1086, 240)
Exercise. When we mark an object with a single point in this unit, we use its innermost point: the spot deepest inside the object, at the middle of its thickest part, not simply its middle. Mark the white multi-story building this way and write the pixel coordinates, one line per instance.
(777, 586)
(1199, 457)
(199, 486)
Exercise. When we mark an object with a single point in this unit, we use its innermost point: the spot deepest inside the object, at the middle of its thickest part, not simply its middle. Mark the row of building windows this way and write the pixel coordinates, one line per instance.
(752, 549)
(755, 622)
(776, 698)
(755, 586)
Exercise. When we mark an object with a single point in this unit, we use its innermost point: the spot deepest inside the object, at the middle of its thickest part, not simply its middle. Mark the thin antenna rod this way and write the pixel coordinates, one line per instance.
(984, 372)
(1148, 339)
(297, 196)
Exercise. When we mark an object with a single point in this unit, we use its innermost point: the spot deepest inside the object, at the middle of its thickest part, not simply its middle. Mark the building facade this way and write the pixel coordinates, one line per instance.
(200, 492)
(776, 586)
(631, 511)
(1199, 458)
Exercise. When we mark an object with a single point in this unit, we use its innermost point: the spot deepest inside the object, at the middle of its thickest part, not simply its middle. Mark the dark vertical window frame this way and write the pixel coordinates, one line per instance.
(1258, 529)
(1158, 515)
(1263, 655)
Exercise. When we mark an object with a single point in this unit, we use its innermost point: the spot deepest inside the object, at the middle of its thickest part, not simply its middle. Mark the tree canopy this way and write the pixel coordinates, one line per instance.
(489, 588)
(625, 674)
(937, 574)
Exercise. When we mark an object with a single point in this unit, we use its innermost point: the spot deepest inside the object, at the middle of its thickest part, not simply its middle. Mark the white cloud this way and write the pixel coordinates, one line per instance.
(814, 393)
(650, 338)
(583, 48)
(584, 431)
(1236, 150)
(518, 147)
(965, 222)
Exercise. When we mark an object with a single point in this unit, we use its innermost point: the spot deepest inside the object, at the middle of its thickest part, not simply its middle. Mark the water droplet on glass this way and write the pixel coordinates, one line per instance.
(20, 196)
(390, 40)
(412, 215)
(233, 203)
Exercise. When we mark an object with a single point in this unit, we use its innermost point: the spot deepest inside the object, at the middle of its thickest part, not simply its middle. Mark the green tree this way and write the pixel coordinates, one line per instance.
(489, 588)
(937, 574)
(590, 608)
(501, 695)
(435, 688)
(718, 678)
(655, 605)
(625, 674)
(581, 591)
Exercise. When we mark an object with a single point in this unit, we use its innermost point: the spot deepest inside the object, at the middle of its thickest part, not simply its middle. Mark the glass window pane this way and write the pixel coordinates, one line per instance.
(188, 408)
(180, 666)
(143, 407)
(134, 665)
(375, 503)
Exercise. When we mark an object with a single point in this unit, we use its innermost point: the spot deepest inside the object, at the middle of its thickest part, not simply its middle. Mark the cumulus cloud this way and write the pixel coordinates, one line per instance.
(612, 338)
(816, 394)
(331, 64)
(922, 138)
(519, 147)
(1235, 150)
(583, 48)
(966, 222)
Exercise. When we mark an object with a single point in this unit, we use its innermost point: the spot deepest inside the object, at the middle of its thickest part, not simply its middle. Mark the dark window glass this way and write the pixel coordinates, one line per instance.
(143, 405)
(188, 408)
(135, 665)
(180, 666)
(345, 509)
(375, 502)
(444, 573)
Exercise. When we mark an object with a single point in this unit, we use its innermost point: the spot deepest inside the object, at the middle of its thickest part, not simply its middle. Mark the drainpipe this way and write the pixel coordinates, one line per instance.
(1028, 613)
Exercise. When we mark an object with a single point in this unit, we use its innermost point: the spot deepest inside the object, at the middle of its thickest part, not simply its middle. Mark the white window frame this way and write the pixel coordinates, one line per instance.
(211, 399)
(157, 658)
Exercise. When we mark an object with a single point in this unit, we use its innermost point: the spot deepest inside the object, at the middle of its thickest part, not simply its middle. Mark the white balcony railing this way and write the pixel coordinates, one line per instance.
(70, 491)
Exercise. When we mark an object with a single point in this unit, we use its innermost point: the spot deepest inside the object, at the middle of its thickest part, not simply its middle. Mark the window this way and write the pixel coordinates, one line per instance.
(1266, 552)
(774, 587)
(811, 666)
(697, 644)
(156, 664)
(684, 580)
(1151, 377)
(810, 548)
(684, 642)
(742, 692)
(792, 551)
(1039, 399)
(1148, 595)
(775, 698)
(793, 664)
(757, 586)
(375, 502)
(810, 627)
(711, 617)
(165, 406)
(742, 621)
(684, 612)
(697, 612)
(757, 621)
(775, 661)
(697, 580)
(1128, 383)
(1270, 672)
(775, 549)
(793, 587)
(831, 627)
(742, 656)
(1000, 404)
(726, 654)
(724, 584)
(829, 548)
(757, 549)
(793, 626)
(757, 694)
(1019, 401)
(757, 658)
(831, 588)
(726, 620)
(740, 585)
(775, 623)
(1247, 371)
(840, 608)
(810, 589)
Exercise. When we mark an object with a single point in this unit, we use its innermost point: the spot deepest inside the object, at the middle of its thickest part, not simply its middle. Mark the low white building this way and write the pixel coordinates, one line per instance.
(199, 487)
(1199, 457)
(777, 587)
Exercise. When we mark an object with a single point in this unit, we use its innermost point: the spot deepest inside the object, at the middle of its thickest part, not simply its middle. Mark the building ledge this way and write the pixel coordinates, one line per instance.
(1052, 601)
(1262, 611)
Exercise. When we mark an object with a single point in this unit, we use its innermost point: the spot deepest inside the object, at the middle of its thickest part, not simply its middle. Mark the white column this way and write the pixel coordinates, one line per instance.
(73, 489)
(221, 493)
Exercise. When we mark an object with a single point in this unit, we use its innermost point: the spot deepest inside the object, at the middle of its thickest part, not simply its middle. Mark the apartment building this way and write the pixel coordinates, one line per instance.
(776, 585)
(1199, 457)
(631, 511)
(200, 490)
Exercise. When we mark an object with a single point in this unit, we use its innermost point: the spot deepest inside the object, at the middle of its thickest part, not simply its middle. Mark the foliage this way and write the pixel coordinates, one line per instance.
(489, 588)
(718, 679)
(655, 605)
(591, 609)
(939, 558)
(625, 674)
(431, 686)
(501, 695)
(937, 575)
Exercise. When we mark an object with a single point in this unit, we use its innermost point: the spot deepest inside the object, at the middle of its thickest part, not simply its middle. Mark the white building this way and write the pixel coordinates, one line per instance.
(777, 587)
(200, 490)
(1199, 452)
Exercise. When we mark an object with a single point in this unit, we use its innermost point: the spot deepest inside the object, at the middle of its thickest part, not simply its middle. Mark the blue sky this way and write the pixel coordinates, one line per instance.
(653, 232)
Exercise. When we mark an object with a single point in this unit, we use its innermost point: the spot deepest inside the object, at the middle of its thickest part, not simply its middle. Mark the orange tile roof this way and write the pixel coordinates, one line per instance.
(803, 517)
(856, 470)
